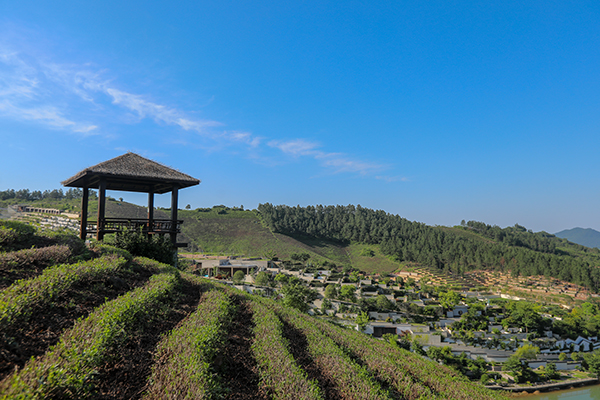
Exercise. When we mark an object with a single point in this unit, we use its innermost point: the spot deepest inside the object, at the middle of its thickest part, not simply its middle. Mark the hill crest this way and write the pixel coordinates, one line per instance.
(584, 236)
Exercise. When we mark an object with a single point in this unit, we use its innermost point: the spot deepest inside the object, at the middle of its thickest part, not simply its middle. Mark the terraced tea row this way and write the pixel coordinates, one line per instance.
(280, 373)
(19, 300)
(69, 368)
(185, 357)
(293, 354)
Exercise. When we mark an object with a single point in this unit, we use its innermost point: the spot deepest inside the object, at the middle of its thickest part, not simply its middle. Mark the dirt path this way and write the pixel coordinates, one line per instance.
(239, 369)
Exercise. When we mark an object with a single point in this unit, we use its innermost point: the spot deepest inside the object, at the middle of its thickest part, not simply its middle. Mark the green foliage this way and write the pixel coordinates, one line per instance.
(471, 321)
(383, 303)
(592, 362)
(527, 351)
(103, 249)
(157, 247)
(331, 291)
(263, 278)
(362, 320)
(485, 378)
(367, 252)
(449, 299)
(582, 320)
(526, 315)
(270, 255)
(520, 370)
(55, 194)
(282, 279)
(30, 259)
(238, 277)
(347, 292)
(300, 256)
(13, 233)
(467, 366)
(298, 296)
(550, 372)
(412, 377)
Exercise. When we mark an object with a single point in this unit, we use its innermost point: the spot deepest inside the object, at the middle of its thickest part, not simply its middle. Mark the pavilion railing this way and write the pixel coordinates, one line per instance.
(111, 225)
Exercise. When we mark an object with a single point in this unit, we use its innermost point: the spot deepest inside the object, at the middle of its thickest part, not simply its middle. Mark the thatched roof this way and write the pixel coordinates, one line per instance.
(131, 173)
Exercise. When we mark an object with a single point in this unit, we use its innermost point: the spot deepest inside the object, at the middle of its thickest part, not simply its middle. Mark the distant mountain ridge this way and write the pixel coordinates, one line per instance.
(584, 236)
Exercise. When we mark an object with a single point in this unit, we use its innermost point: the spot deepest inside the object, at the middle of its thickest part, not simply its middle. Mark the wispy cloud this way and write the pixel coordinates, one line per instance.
(390, 179)
(295, 147)
(45, 114)
(160, 113)
(337, 162)
(79, 98)
(33, 89)
(243, 137)
(26, 98)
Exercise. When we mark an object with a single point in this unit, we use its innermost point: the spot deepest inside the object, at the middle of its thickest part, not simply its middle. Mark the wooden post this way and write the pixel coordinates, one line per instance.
(84, 211)
(174, 195)
(101, 209)
(150, 211)
(173, 233)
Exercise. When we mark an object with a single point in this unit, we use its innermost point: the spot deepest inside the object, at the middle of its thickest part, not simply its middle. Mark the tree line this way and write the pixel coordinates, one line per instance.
(55, 194)
(515, 250)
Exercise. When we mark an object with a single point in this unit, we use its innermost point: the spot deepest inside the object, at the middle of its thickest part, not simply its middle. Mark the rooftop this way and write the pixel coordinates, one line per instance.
(132, 173)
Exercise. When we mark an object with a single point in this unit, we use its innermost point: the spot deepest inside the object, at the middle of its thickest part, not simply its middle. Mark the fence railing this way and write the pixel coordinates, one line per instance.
(111, 225)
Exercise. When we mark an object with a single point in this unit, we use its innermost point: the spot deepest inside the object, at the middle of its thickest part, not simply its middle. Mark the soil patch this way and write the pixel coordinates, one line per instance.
(47, 323)
(240, 371)
(299, 349)
(127, 376)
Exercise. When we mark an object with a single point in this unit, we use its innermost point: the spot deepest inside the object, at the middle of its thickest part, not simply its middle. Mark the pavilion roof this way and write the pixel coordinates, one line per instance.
(131, 172)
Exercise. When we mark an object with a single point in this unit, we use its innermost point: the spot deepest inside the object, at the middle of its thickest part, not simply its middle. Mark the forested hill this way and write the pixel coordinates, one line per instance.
(585, 237)
(473, 245)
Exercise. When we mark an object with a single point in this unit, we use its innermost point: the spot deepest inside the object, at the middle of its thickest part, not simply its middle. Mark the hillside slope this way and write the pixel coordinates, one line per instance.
(122, 328)
(475, 245)
(584, 236)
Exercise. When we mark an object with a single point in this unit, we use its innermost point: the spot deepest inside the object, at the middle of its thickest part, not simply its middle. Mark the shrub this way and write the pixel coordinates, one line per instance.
(157, 247)
(12, 233)
(238, 277)
(35, 258)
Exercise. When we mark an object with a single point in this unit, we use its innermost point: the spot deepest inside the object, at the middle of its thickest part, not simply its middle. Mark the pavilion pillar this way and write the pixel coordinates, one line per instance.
(150, 212)
(84, 212)
(174, 199)
(101, 209)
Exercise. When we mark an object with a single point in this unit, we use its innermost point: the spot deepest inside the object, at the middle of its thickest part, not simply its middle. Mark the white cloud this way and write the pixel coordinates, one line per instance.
(296, 147)
(44, 114)
(65, 96)
(390, 179)
(336, 162)
(243, 137)
(147, 109)
(341, 163)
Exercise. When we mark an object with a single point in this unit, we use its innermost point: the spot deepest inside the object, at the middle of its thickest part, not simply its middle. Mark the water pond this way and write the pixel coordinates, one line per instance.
(586, 392)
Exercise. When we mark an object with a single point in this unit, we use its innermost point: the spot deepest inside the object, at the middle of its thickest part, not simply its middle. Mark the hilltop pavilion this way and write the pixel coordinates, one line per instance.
(130, 173)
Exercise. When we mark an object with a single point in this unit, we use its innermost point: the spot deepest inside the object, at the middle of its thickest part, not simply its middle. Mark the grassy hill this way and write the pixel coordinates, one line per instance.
(444, 254)
(115, 327)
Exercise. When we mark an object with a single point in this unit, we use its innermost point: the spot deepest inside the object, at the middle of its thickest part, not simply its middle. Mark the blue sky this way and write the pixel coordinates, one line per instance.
(437, 111)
